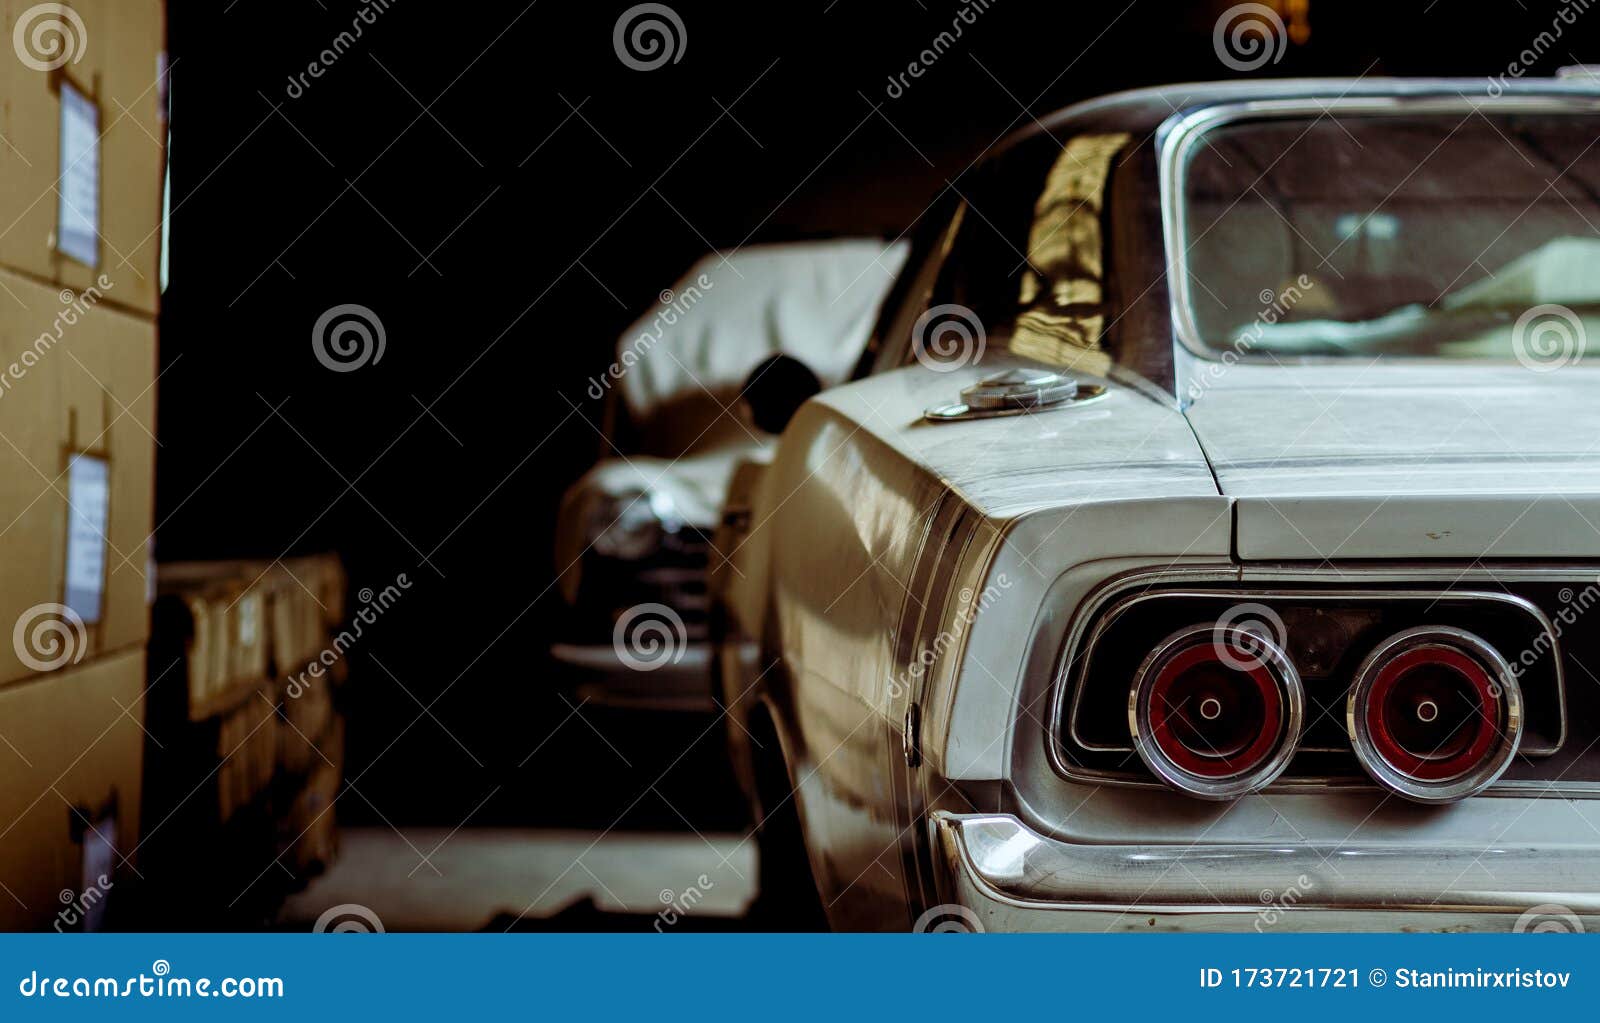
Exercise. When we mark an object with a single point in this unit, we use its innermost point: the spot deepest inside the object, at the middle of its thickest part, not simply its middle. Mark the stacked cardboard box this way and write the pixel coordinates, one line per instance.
(246, 747)
(80, 237)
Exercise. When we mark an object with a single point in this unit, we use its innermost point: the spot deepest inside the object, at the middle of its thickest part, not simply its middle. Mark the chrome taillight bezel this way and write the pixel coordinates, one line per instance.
(1497, 683)
(1248, 652)
(1088, 740)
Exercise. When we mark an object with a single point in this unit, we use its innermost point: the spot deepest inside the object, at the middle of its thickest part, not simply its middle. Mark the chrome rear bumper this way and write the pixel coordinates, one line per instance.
(1003, 876)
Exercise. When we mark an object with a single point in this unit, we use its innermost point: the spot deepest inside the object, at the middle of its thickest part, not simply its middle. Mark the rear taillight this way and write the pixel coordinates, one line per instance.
(1435, 714)
(1215, 710)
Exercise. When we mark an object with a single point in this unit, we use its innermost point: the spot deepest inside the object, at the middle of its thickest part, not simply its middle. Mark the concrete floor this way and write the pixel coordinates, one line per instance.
(477, 878)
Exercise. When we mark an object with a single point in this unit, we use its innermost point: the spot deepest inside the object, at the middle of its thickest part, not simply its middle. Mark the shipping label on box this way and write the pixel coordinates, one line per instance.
(78, 220)
(88, 498)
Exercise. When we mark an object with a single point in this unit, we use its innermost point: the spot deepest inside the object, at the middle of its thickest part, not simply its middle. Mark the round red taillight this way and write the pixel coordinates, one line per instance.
(1435, 714)
(1215, 710)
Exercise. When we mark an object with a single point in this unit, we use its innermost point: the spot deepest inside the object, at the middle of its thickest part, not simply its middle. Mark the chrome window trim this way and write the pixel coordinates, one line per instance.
(1181, 132)
(1244, 584)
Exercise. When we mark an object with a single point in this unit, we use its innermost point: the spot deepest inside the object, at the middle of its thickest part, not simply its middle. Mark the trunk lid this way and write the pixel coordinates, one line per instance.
(1410, 462)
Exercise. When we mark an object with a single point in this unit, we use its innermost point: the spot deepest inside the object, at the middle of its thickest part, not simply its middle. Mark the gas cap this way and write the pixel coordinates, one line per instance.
(1015, 391)
(1020, 389)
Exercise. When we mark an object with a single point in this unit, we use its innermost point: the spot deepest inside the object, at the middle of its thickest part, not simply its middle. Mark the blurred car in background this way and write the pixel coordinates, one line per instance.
(632, 538)
(1193, 553)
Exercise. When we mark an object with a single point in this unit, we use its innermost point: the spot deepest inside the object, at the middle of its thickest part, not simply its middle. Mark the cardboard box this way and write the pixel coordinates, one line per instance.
(310, 828)
(77, 411)
(117, 63)
(243, 622)
(305, 723)
(72, 758)
(74, 389)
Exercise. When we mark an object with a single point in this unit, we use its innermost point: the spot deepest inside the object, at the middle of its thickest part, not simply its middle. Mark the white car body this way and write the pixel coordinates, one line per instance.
(903, 602)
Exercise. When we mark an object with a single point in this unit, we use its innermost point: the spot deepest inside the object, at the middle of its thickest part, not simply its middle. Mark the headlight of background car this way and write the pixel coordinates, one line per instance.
(628, 526)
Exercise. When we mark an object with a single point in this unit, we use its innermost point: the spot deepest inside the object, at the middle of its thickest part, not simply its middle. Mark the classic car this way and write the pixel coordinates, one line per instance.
(632, 534)
(1208, 544)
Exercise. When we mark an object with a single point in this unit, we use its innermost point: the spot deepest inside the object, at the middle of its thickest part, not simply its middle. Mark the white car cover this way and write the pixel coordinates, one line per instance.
(814, 301)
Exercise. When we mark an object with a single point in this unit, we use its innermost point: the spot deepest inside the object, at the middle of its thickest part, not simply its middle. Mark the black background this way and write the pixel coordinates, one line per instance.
(545, 234)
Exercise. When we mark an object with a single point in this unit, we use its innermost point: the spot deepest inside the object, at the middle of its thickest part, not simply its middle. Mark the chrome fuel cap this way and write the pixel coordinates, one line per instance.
(1019, 389)
(1015, 391)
